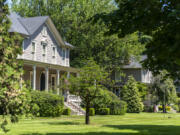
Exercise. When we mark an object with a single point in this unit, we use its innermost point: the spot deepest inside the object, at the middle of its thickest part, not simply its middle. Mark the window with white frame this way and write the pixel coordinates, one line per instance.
(63, 54)
(44, 51)
(33, 47)
(53, 51)
(44, 31)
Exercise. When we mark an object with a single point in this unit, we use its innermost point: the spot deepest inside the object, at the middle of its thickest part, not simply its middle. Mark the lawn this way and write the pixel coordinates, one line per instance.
(130, 124)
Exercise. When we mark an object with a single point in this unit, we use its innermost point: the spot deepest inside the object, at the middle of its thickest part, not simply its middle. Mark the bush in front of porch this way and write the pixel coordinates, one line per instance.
(46, 104)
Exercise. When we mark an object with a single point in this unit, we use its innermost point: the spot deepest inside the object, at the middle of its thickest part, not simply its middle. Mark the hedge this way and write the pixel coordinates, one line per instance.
(118, 108)
(67, 111)
(103, 111)
(50, 105)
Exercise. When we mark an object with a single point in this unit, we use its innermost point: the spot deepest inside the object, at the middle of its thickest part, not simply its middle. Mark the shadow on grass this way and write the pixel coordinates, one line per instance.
(64, 123)
(141, 130)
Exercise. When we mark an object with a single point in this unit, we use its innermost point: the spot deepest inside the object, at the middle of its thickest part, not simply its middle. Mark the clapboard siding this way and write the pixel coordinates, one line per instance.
(37, 38)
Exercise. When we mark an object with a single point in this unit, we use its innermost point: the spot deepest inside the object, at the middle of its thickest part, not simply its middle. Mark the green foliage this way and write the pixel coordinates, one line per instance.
(35, 110)
(50, 105)
(103, 111)
(143, 90)
(148, 108)
(67, 111)
(72, 19)
(107, 99)
(118, 108)
(168, 108)
(88, 85)
(91, 111)
(163, 89)
(156, 18)
(131, 95)
(13, 99)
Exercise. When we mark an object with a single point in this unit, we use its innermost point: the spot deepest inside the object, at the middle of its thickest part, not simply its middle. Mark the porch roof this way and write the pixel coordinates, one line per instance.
(51, 66)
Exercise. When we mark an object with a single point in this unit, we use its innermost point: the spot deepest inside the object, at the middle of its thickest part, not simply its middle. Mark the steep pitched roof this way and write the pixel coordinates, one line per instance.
(28, 26)
(16, 26)
(31, 24)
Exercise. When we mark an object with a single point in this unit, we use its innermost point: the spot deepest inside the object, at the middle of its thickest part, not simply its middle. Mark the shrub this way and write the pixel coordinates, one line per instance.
(91, 112)
(176, 107)
(103, 111)
(131, 95)
(35, 109)
(168, 108)
(50, 105)
(148, 108)
(67, 111)
(107, 99)
(118, 108)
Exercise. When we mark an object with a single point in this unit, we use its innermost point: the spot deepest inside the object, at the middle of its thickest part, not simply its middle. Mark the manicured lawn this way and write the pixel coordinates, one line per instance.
(130, 124)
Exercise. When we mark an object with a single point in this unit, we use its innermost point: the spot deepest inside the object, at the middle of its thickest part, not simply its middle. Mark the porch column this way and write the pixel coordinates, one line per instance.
(68, 76)
(34, 77)
(47, 79)
(58, 76)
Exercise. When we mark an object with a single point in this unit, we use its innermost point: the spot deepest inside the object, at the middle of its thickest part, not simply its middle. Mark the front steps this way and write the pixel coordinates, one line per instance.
(75, 108)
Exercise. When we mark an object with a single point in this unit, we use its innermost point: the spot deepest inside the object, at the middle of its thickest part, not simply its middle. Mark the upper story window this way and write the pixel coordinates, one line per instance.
(53, 51)
(44, 47)
(33, 47)
(67, 53)
(63, 54)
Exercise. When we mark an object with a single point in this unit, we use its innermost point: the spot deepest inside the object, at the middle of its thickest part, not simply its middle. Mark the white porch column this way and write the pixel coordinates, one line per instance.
(58, 76)
(47, 79)
(68, 76)
(34, 77)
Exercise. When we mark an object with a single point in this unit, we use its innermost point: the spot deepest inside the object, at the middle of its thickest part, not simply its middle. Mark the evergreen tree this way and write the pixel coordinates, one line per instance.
(12, 99)
(131, 95)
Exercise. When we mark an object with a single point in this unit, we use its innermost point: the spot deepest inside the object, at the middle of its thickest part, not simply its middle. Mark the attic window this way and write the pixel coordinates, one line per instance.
(54, 52)
(44, 31)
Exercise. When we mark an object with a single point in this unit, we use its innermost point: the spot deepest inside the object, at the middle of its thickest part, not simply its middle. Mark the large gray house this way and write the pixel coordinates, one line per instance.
(133, 68)
(45, 55)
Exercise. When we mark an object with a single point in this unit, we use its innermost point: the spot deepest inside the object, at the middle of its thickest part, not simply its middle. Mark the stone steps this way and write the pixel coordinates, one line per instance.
(75, 108)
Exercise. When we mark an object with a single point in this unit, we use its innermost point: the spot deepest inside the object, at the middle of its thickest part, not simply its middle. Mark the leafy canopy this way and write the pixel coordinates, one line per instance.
(157, 18)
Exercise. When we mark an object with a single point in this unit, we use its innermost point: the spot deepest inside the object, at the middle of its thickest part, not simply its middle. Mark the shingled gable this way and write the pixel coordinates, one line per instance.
(28, 26)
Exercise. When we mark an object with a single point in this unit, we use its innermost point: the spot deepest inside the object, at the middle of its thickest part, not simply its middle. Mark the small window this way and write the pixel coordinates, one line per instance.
(44, 31)
(67, 53)
(54, 52)
(63, 54)
(43, 48)
(33, 47)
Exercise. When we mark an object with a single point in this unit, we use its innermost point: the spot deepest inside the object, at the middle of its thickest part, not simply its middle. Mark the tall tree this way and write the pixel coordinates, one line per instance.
(12, 99)
(72, 19)
(131, 95)
(164, 90)
(88, 85)
(157, 18)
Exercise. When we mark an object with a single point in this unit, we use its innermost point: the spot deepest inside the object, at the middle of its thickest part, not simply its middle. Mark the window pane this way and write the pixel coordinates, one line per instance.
(33, 47)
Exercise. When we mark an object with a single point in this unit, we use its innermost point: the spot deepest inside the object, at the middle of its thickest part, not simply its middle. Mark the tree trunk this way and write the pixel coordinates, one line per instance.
(164, 108)
(87, 113)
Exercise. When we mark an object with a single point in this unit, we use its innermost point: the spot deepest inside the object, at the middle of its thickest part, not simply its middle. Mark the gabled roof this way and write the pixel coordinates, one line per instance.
(16, 26)
(31, 24)
(28, 26)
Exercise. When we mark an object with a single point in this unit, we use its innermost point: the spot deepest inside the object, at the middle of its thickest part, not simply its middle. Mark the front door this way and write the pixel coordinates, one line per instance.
(42, 81)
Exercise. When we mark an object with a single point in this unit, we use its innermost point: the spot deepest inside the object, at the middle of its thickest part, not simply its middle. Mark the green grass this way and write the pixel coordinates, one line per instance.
(130, 124)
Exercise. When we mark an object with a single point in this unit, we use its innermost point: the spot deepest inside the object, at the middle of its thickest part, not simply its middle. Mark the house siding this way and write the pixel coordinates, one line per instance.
(37, 38)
